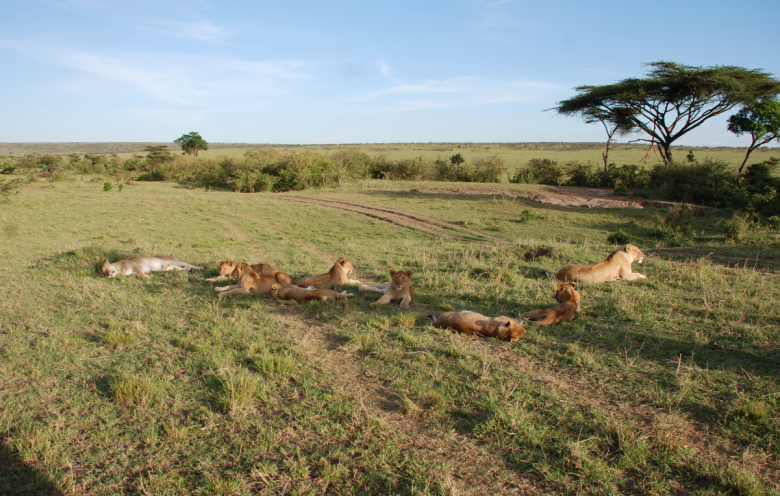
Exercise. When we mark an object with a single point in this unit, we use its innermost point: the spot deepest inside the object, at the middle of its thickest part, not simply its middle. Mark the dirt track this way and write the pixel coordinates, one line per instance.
(418, 222)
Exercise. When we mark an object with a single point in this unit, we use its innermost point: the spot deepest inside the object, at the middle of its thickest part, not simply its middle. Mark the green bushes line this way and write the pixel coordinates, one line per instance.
(266, 169)
(710, 182)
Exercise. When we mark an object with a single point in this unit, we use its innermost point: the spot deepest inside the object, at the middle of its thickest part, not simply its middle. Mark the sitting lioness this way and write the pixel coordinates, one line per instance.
(337, 276)
(616, 266)
(250, 281)
(300, 294)
(565, 311)
(398, 288)
(474, 323)
(229, 270)
(139, 267)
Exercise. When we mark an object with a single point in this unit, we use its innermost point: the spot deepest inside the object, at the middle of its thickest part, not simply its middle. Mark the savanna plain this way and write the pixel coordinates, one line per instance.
(667, 385)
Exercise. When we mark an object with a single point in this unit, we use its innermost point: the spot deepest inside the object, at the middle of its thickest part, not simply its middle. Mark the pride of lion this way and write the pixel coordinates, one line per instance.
(262, 278)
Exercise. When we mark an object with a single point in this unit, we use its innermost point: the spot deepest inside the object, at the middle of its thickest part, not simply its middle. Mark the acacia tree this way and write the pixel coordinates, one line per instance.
(613, 125)
(191, 143)
(673, 99)
(761, 121)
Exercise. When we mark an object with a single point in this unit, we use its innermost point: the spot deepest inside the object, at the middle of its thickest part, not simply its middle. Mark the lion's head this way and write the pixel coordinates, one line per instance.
(240, 270)
(635, 252)
(400, 279)
(508, 328)
(344, 263)
(107, 270)
(226, 267)
(565, 292)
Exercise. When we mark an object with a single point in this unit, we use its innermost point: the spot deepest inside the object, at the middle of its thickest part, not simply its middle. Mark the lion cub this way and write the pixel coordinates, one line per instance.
(300, 294)
(469, 322)
(139, 267)
(565, 311)
(229, 270)
(251, 282)
(337, 276)
(398, 288)
(616, 266)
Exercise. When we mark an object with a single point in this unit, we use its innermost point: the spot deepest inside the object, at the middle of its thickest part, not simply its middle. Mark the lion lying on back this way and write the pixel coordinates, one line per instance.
(565, 311)
(229, 270)
(474, 323)
(250, 281)
(306, 294)
(399, 288)
(337, 276)
(616, 266)
(139, 267)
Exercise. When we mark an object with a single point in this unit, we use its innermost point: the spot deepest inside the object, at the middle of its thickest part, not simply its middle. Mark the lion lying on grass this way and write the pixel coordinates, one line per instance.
(337, 276)
(301, 295)
(565, 311)
(616, 266)
(229, 270)
(251, 282)
(469, 322)
(398, 288)
(139, 267)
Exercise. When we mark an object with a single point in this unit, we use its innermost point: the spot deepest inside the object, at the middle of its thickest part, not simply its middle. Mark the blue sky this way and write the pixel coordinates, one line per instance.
(348, 71)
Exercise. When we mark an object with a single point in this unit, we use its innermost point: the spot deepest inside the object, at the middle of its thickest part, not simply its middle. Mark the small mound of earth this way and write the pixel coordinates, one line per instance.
(565, 200)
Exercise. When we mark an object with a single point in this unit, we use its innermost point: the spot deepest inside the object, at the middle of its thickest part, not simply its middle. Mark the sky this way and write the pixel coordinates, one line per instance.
(316, 72)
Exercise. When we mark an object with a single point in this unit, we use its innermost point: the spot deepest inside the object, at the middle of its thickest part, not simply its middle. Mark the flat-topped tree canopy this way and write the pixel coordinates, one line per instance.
(672, 100)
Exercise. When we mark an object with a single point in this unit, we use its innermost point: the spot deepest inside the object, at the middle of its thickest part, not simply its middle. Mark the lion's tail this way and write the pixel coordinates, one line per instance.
(432, 317)
(543, 316)
(312, 280)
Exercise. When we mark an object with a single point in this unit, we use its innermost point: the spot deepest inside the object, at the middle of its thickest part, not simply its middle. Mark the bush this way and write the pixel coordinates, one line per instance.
(618, 238)
(738, 226)
(546, 171)
(488, 170)
(711, 183)
(107, 186)
(10, 186)
(620, 189)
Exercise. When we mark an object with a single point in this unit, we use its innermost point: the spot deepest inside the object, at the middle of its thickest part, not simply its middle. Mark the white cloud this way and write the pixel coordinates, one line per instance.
(459, 92)
(196, 30)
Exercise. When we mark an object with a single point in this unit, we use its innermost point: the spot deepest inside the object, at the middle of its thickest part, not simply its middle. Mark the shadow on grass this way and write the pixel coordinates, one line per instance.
(18, 478)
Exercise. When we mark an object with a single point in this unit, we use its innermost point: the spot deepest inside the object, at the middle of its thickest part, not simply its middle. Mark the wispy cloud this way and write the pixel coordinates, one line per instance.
(196, 30)
(458, 92)
(181, 79)
(499, 2)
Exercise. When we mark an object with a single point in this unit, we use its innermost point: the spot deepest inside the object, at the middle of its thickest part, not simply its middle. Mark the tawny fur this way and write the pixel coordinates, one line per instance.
(565, 311)
(301, 295)
(251, 282)
(398, 288)
(337, 276)
(469, 322)
(139, 267)
(616, 266)
(228, 270)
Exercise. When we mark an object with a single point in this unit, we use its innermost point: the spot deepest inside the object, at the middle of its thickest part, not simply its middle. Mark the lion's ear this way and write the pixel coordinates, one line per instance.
(274, 286)
(392, 273)
(408, 273)
(341, 261)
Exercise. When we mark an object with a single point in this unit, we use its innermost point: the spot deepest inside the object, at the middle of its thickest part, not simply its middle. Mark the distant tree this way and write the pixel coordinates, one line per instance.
(613, 124)
(673, 99)
(158, 154)
(191, 143)
(457, 159)
(761, 121)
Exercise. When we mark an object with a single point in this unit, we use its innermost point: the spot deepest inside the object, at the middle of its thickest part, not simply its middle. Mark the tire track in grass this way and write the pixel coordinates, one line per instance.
(419, 222)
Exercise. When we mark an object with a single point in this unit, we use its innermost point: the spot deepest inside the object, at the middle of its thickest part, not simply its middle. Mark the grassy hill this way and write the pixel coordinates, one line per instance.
(156, 386)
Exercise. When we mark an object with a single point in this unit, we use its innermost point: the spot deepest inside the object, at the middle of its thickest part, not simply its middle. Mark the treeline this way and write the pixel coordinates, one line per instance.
(710, 182)
(267, 169)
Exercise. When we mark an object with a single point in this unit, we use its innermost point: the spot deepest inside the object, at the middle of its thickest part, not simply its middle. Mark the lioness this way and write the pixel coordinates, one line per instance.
(139, 267)
(300, 294)
(336, 276)
(228, 270)
(616, 266)
(251, 282)
(565, 311)
(474, 323)
(398, 288)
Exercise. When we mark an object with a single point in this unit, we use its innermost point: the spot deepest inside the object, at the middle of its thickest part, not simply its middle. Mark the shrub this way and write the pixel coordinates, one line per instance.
(523, 175)
(710, 183)
(546, 171)
(10, 186)
(618, 238)
(676, 226)
(737, 227)
(488, 170)
(620, 189)
(107, 186)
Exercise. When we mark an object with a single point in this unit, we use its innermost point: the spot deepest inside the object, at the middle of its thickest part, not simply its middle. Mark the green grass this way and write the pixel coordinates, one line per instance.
(110, 386)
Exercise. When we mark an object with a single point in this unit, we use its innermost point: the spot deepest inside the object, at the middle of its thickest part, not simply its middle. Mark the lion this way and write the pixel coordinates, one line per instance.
(336, 277)
(398, 288)
(471, 323)
(616, 266)
(139, 267)
(301, 295)
(565, 311)
(250, 281)
(228, 270)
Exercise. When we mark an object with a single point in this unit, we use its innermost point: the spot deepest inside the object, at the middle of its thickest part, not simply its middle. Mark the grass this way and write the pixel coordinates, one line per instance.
(111, 386)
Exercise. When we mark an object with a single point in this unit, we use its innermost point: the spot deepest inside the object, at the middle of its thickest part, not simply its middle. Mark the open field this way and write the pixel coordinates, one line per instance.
(669, 385)
(513, 154)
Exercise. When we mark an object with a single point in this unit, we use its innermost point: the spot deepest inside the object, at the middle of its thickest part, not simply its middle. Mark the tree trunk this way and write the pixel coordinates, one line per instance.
(667, 156)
